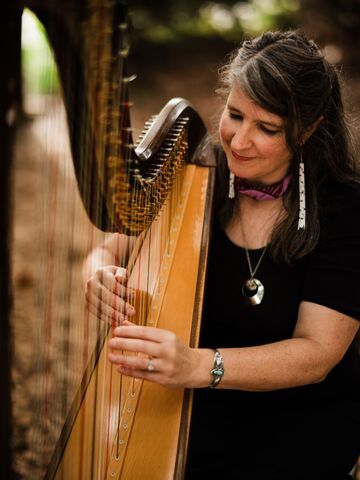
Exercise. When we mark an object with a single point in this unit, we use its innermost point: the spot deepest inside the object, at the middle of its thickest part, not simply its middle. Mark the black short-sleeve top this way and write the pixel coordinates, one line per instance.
(329, 276)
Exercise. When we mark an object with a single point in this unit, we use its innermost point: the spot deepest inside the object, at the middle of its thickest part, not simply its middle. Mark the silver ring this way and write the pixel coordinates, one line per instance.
(150, 366)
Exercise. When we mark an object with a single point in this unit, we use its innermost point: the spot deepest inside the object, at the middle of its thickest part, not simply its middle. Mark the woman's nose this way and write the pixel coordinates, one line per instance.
(242, 138)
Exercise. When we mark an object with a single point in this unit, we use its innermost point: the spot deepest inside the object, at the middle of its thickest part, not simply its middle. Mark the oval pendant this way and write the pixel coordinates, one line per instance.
(253, 291)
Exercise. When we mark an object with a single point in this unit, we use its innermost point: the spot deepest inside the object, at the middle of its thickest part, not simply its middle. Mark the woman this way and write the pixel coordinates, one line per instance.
(278, 340)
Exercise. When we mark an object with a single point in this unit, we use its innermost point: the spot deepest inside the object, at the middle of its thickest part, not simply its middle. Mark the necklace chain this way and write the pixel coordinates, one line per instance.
(253, 289)
(253, 272)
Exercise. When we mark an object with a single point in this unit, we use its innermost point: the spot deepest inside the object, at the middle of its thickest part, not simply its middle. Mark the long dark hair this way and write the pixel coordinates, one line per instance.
(286, 74)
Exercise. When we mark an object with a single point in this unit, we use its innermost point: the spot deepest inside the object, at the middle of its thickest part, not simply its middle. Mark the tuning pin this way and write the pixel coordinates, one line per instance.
(123, 26)
(129, 79)
(124, 52)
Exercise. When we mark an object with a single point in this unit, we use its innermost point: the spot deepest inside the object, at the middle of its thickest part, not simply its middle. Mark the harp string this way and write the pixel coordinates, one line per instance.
(105, 113)
(56, 326)
(55, 373)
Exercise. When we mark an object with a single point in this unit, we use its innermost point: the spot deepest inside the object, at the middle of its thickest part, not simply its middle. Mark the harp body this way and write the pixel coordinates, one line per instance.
(117, 427)
(153, 426)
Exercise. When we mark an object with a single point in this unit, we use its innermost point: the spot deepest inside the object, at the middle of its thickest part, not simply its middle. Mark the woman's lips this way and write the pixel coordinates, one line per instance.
(241, 158)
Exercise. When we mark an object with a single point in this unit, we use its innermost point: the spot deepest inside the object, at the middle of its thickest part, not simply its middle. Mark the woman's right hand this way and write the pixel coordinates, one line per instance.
(108, 297)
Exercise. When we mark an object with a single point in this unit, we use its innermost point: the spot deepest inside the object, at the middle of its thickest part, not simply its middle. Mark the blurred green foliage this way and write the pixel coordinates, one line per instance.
(38, 66)
(172, 21)
(164, 22)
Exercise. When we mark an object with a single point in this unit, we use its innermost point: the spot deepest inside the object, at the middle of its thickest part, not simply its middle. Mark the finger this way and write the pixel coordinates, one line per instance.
(134, 362)
(96, 283)
(98, 295)
(106, 302)
(106, 276)
(114, 320)
(127, 323)
(135, 345)
(153, 334)
(121, 276)
(140, 374)
(105, 312)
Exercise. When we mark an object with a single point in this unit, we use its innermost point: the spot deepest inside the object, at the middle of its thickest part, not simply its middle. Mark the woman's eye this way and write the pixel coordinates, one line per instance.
(235, 116)
(268, 131)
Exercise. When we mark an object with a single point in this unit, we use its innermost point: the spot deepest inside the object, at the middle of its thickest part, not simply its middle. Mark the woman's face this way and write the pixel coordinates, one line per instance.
(253, 140)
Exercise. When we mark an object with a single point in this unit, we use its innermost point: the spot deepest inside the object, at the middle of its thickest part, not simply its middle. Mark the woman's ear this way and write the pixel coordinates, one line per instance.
(308, 132)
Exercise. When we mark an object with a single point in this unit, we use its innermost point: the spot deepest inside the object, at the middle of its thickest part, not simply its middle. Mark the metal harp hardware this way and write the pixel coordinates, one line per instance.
(176, 137)
(198, 139)
(129, 188)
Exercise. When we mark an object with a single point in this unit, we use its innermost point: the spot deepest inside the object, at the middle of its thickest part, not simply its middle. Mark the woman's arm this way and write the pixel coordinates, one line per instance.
(320, 340)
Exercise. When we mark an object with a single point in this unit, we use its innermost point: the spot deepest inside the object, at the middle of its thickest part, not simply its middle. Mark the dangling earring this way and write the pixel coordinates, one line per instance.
(231, 186)
(302, 205)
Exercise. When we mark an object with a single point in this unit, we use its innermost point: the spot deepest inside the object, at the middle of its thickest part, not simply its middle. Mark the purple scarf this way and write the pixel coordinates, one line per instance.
(267, 192)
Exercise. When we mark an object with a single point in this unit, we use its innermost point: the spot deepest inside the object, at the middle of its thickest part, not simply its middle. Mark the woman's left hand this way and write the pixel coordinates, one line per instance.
(159, 356)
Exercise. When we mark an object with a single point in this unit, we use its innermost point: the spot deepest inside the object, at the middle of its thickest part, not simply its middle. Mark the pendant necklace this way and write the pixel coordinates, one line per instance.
(253, 289)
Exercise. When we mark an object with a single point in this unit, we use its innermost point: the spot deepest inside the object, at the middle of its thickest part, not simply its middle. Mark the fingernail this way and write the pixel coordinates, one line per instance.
(120, 272)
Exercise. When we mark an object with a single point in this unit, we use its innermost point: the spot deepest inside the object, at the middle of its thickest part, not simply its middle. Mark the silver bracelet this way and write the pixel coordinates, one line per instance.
(217, 371)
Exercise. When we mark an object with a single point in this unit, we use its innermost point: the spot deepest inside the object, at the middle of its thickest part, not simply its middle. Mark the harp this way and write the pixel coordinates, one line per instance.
(158, 191)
